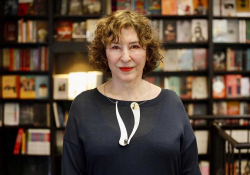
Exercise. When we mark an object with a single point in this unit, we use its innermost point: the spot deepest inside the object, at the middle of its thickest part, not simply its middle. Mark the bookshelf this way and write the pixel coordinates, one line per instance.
(62, 57)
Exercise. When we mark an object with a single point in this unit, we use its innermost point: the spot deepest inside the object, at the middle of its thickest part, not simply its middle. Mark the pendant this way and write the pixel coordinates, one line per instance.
(124, 136)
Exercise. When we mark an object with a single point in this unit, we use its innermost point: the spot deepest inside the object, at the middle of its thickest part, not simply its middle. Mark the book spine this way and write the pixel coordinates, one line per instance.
(17, 146)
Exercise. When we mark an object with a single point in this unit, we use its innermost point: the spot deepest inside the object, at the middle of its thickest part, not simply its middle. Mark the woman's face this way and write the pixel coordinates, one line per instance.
(126, 59)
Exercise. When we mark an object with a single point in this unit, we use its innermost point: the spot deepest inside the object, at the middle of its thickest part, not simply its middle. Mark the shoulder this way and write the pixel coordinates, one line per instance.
(85, 98)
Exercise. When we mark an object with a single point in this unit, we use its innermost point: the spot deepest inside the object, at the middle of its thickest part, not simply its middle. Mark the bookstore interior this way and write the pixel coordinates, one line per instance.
(44, 66)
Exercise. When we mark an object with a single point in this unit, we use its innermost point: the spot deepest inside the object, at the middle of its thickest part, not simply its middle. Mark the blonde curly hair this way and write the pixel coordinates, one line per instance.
(108, 30)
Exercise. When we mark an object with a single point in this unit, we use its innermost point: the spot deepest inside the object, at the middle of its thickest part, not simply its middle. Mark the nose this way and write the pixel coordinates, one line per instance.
(125, 57)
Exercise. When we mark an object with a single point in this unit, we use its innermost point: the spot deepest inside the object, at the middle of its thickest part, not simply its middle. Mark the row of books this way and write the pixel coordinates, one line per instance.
(185, 59)
(204, 167)
(163, 7)
(182, 31)
(232, 31)
(231, 86)
(231, 59)
(60, 115)
(24, 7)
(68, 86)
(75, 31)
(32, 142)
(59, 141)
(31, 114)
(29, 31)
(231, 8)
(78, 7)
(25, 86)
(26, 59)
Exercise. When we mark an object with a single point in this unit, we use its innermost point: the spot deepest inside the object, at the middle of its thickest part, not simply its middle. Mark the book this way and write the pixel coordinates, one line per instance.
(153, 7)
(233, 31)
(123, 5)
(174, 84)
(17, 147)
(27, 87)
(185, 7)
(56, 116)
(158, 26)
(202, 141)
(11, 7)
(233, 108)
(64, 7)
(79, 31)
(204, 167)
(94, 78)
(10, 86)
(199, 88)
(219, 60)
(220, 108)
(91, 6)
(75, 7)
(10, 31)
(64, 31)
(41, 31)
(59, 141)
(186, 87)
(169, 31)
(219, 87)
(233, 85)
(11, 114)
(169, 7)
(185, 57)
(139, 6)
(90, 28)
(228, 7)
(245, 86)
(220, 30)
(26, 114)
(248, 31)
(243, 8)
(200, 59)
(42, 87)
(1, 114)
(199, 30)
(200, 7)
(61, 86)
(171, 61)
(40, 7)
(77, 83)
(183, 31)
(216, 8)
(41, 114)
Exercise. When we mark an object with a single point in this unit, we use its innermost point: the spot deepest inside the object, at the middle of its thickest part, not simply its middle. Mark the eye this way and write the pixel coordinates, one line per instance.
(135, 47)
(115, 47)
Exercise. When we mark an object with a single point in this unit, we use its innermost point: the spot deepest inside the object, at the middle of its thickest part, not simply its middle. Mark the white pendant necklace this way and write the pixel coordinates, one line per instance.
(124, 140)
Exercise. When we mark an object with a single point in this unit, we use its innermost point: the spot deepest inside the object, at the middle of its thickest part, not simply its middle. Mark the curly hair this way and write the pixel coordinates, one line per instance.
(108, 30)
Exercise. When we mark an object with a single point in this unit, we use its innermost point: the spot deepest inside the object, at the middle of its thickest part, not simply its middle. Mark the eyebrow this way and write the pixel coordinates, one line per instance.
(133, 42)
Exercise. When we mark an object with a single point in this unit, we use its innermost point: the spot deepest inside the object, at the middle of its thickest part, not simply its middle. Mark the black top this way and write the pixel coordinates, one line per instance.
(164, 143)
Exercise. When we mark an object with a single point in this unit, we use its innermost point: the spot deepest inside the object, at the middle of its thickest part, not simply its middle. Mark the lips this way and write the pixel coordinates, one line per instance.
(126, 69)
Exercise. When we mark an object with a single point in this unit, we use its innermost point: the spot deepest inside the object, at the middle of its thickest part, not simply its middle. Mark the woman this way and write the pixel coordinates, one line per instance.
(128, 126)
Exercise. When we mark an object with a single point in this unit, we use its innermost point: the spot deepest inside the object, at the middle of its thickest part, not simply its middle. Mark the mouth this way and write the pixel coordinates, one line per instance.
(125, 69)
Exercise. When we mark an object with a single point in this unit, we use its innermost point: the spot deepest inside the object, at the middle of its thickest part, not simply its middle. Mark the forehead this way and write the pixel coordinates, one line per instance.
(128, 34)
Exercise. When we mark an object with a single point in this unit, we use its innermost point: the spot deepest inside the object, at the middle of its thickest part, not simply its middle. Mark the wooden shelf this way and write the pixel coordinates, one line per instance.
(28, 17)
(232, 99)
(178, 73)
(232, 45)
(22, 45)
(232, 17)
(77, 17)
(67, 47)
(184, 45)
(244, 73)
(25, 127)
(25, 72)
(178, 17)
(25, 100)
(194, 100)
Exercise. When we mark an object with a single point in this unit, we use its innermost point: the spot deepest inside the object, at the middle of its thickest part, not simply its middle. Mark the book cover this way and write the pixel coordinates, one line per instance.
(174, 84)
(202, 141)
(40, 7)
(11, 7)
(200, 7)
(248, 31)
(153, 7)
(242, 7)
(169, 7)
(61, 86)
(79, 31)
(199, 88)
(219, 87)
(199, 30)
(245, 87)
(248, 60)
(183, 31)
(90, 27)
(123, 5)
(10, 86)
(91, 6)
(216, 8)
(139, 6)
(42, 87)
(185, 7)
(233, 31)
(220, 108)
(158, 26)
(233, 86)
(233, 108)
(228, 8)
(75, 7)
(27, 87)
(64, 31)
(40, 114)
(26, 114)
(42, 31)
(56, 117)
(185, 57)
(1, 114)
(11, 114)
(220, 30)
(186, 87)
(10, 31)
(23, 9)
(219, 60)
(200, 59)
(77, 83)
(171, 61)
(169, 31)
(95, 79)
(17, 147)
(64, 7)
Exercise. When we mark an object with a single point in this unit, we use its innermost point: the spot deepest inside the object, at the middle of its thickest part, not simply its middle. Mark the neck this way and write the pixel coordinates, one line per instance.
(128, 91)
